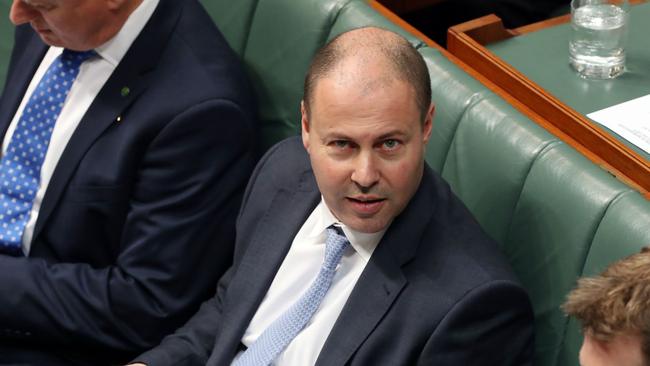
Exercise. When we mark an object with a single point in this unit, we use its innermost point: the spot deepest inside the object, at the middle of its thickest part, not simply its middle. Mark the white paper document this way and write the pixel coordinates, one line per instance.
(631, 120)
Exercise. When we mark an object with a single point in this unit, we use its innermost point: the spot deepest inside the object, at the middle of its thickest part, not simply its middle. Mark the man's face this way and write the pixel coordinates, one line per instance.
(79, 25)
(620, 350)
(366, 143)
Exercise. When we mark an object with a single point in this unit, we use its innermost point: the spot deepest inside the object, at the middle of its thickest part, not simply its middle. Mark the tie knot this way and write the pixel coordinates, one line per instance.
(335, 244)
(77, 57)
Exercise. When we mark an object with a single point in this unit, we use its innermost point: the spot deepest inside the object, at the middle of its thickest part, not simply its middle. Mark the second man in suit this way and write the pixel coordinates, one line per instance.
(128, 130)
(350, 250)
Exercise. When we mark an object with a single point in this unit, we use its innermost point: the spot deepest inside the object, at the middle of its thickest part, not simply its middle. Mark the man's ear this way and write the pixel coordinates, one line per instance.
(304, 123)
(428, 124)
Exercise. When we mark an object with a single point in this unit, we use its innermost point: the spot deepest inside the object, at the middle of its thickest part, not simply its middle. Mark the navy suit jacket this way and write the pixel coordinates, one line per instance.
(138, 221)
(436, 290)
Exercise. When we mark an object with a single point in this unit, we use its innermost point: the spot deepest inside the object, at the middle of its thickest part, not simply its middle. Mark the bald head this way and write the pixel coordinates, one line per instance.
(370, 58)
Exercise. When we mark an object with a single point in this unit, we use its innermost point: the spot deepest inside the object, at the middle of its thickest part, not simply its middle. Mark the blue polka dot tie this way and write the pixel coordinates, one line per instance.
(285, 328)
(20, 167)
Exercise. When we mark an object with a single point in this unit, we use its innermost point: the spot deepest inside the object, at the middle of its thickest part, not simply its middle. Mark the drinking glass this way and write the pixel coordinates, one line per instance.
(598, 36)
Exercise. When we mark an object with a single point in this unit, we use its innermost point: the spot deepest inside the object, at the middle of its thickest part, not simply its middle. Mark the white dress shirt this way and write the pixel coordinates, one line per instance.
(92, 76)
(299, 268)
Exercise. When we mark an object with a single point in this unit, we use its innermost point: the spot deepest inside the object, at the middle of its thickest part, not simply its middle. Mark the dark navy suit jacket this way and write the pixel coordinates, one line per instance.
(436, 290)
(138, 221)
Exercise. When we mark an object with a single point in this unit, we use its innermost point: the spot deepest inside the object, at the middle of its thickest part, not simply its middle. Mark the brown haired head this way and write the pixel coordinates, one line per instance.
(616, 302)
(371, 44)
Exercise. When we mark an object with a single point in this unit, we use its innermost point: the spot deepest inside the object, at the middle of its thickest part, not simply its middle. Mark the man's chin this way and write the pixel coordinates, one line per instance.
(366, 225)
(49, 39)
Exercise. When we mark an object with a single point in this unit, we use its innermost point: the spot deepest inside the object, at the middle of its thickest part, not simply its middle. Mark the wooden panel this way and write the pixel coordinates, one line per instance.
(466, 41)
(485, 30)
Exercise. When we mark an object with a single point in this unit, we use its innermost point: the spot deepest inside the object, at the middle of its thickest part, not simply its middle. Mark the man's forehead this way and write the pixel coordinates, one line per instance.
(345, 89)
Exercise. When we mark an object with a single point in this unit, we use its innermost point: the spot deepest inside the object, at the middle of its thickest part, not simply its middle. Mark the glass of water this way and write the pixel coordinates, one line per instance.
(599, 32)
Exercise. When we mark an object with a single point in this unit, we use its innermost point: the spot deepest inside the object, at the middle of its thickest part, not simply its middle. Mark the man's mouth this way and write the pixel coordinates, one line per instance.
(366, 205)
(366, 199)
(39, 28)
(42, 30)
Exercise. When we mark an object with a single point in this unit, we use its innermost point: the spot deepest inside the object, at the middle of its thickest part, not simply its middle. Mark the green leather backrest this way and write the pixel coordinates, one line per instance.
(488, 159)
(6, 40)
(452, 92)
(357, 14)
(234, 19)
(543, 202)
(555, 214)
(283, 37)
(623, 231)
(561, 206)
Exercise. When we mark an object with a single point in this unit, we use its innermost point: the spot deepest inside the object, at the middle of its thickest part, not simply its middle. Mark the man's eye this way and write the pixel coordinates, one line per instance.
(341, 144)
(390, 144)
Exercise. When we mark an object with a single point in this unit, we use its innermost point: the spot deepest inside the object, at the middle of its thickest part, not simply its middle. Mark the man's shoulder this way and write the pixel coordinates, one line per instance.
(194, 58)
(285, 163)
(284, 167)
(454, 240)
(291, 148)
(202, 42)
(186, 62)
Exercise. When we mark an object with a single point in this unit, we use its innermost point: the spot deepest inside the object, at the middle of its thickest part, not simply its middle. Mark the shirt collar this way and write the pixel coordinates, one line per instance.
(363, 243)
(115, 48)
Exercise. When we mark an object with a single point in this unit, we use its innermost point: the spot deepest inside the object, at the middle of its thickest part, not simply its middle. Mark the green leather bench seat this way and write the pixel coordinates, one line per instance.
(6, 40)
(234, 19)
(624, 225)
(555, 214)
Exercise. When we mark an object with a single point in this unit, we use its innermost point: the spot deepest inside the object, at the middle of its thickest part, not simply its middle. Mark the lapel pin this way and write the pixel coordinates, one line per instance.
(118, 119)
(125, 91)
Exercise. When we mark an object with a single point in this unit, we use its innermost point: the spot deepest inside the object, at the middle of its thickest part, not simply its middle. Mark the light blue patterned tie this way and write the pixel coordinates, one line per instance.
(285, 328)
(20, 168)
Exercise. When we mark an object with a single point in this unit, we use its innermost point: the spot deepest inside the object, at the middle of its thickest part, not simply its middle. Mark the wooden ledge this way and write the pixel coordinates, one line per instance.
(466, 41)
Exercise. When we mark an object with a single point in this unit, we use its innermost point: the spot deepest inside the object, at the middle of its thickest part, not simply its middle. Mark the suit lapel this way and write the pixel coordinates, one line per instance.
(264, 255)
(134, 73)
(19, 78)
(381, 281)
(377, 288)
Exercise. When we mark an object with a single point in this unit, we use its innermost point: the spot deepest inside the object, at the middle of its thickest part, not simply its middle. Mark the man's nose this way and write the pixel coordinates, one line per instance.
(365, 172)
(21, 13)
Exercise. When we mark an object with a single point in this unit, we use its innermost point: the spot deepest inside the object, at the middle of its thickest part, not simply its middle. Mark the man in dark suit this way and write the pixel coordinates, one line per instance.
(130, 221)
(350, 250)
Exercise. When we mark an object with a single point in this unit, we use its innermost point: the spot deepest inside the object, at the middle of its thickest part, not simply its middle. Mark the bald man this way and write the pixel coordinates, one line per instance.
(350, 250)
(128, 137)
